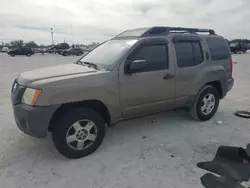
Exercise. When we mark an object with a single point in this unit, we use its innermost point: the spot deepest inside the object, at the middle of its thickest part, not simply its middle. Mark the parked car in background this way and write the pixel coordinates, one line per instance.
(238, 47)
(57, 49)
(35, 50)
(42, 50)
(21, 51)
(5, 49)
(72, 51)
(138, 72)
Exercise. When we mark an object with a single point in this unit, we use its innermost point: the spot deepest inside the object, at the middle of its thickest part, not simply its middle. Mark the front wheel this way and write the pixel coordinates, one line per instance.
(79, 133)
(28, 54)
(206, 104)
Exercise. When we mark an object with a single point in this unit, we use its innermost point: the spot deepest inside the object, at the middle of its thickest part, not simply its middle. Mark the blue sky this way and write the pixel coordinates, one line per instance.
(85, 21)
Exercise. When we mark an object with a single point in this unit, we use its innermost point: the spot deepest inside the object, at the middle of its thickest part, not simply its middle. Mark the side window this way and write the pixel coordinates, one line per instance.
(198, 53)
(218, 49)
(184, 54)
(156, 57)
(188, 54)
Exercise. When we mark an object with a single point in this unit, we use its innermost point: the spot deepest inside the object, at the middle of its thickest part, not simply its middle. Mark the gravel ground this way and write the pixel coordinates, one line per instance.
(157, 151)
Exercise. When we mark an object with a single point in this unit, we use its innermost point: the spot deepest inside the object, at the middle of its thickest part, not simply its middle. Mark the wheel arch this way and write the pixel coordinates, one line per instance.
(96, 105)
(217, 84)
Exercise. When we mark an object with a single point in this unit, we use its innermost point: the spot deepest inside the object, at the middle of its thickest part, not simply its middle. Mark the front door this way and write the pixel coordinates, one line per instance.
(152, 88)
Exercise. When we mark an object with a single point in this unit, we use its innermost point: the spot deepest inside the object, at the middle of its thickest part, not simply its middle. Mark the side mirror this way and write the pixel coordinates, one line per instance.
(136, 65)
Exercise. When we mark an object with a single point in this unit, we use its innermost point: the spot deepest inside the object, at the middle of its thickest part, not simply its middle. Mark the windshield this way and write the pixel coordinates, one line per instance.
(108, 53)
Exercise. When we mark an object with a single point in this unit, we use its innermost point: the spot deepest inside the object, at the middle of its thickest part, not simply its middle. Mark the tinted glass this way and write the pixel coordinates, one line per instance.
(155, 55)
(109, 52)
(198, 54)
(184, 54)
(218, 49)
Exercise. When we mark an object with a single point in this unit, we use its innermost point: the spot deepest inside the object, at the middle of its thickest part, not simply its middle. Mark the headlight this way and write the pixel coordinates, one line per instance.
(30, 96)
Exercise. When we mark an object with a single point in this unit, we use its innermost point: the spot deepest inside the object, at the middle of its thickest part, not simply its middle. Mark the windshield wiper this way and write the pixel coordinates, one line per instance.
(91, 64)
(95, 66)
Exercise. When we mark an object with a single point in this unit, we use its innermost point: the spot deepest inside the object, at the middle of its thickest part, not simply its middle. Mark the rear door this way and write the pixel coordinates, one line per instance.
(76, 51)
(18, 51)
(23, 51)
(189, 62)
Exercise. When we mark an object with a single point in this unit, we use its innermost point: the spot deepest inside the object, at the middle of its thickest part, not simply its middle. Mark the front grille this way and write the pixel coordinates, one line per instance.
(17, 92)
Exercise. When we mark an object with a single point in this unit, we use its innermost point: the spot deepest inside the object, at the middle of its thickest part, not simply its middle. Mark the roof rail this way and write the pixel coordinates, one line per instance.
(162, 31)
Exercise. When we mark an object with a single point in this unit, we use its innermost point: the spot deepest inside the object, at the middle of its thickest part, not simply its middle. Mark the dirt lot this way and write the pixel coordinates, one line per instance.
(157, 151)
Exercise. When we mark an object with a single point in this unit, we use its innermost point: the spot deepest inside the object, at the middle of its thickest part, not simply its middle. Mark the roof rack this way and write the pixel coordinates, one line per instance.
(162, 31)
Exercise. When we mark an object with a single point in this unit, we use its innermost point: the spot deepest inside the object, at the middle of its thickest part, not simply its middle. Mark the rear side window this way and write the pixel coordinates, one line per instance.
(188, 53)
(218, 49)
(198, 54)
(184, 54)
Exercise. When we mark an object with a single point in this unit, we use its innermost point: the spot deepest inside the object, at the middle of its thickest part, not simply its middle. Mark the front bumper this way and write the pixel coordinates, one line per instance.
(33, 120)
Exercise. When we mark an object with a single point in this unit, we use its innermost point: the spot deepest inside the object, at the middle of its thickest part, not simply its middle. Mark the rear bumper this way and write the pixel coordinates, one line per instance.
(33, 120)
(230, 83)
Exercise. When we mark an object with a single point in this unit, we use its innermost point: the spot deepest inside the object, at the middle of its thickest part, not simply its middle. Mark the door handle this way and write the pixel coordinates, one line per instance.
(168, 76)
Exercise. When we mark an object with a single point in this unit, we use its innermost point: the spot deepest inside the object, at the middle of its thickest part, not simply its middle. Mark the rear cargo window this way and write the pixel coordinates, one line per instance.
(218, 49)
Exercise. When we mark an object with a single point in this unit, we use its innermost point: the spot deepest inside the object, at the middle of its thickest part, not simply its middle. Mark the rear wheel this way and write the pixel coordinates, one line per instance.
(79, 133)
(206, 104)
(28, 54)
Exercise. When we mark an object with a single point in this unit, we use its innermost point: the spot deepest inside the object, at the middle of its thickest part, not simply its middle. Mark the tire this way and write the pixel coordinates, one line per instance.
(79, 54)
(65, 124)
(28, 54)
(196, 109)
(12, 54)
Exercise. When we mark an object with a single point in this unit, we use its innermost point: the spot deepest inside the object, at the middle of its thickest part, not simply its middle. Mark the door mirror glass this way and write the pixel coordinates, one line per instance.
(137, 66)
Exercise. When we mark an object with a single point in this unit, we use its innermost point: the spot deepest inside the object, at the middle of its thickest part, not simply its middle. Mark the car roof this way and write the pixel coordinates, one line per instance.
(166, 32)
(161, 31)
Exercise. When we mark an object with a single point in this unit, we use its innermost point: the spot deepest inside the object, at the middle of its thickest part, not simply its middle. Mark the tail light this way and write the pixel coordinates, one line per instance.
(231, 68)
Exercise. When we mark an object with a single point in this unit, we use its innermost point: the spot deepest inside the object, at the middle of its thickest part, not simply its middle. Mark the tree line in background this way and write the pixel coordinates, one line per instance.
(32, 44)
(240, 40)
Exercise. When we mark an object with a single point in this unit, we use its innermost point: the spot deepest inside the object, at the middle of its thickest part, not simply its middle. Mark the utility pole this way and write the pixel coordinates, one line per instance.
(51, 29)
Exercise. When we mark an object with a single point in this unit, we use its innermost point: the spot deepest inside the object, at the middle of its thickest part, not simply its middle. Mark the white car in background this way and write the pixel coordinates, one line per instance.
(5, 49)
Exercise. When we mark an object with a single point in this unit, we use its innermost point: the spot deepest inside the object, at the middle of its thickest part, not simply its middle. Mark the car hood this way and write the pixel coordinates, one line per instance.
(56, 72)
